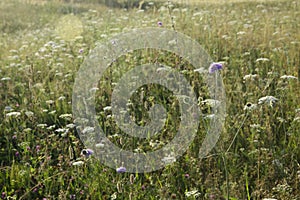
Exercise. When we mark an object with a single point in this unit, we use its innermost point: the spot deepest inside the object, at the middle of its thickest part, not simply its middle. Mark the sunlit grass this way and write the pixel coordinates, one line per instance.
(40, 151)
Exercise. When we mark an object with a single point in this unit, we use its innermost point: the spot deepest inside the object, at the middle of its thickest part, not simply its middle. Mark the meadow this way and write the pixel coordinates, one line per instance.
(44, 43)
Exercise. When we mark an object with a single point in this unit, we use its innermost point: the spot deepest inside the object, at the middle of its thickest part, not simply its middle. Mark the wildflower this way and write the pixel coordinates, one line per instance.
(288, 77)
(215, 67)
(8, 108)
(5, 79)
(87, 152)
(168, 159)
(249, 106)
(49, 102)
(193, 193)
(42, 125)
(78, 163)
(143, 187)
(159, 23)
(13, 114)
(66, 116)
(100, 145)
(17, 154)
(88, 130)
(72, 196)
(80, 51)
(37, 148)
(29, 113)
(60, 130)
(121, 170)
(250, 77)
(70, 125)
(107, 108)
(61, 98)
(269, 199)
(186, 175)
(267, 100)
(3, 195)
(262, 60)
(211, 102)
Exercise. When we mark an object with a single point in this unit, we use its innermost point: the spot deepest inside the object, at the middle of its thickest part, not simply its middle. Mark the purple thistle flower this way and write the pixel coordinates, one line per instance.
(87, 152)
(121, 170)
(215, 67)
(159, 23)
(17, 154)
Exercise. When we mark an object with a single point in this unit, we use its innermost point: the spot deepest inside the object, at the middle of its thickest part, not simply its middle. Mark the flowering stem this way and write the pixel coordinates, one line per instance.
(237, 133)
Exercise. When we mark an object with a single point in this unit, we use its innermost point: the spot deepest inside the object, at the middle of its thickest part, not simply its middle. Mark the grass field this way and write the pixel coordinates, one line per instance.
(43, 45)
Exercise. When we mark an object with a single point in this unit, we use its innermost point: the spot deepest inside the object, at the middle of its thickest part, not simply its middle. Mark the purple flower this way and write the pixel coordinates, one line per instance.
(159, 23)
(17, 154)
(87, 152)
(3, 195)
(14, 137)
(80, 51)
(215, 67)
(38, 147)
(121, 169)
(186, 175)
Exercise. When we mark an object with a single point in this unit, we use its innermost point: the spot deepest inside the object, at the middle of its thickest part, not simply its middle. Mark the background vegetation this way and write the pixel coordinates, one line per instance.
(43, 44)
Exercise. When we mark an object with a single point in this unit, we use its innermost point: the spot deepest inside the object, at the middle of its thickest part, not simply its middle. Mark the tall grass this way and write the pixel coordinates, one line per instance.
(259, 44)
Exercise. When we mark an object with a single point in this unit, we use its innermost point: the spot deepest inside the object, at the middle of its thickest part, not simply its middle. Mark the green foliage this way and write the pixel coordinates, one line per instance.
(259, 44)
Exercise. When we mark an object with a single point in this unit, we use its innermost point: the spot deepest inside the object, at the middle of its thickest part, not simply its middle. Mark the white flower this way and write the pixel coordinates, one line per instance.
(78, 163)
(250, 77)
(61, 98)
(61, 130)
(99, 145)
(70, 125)
(42, 125)
(49, 102)
(65, 116)
(288, 77)
(29, 113)
(5, 79)
(270, 100)
(211, 102)
(193, 193)
(107, 108)
(168, 159)
(88, 129)
(262, 59)
(250, 106)
(13, 114)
